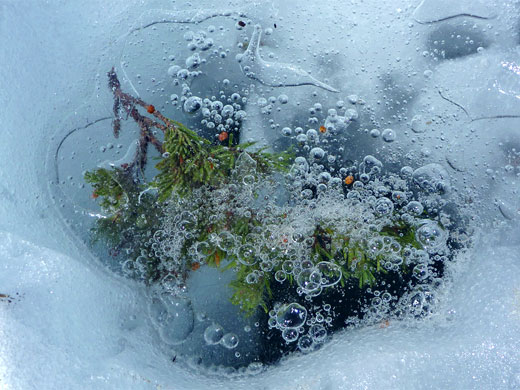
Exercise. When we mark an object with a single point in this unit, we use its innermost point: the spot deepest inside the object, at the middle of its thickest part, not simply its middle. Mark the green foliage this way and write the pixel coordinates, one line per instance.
(109, 185)
(356, 258)
(131, 214)
(191, 161)
(249, 296)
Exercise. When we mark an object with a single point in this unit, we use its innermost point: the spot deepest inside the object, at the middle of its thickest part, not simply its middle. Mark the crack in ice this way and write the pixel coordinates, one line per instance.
(274, 74)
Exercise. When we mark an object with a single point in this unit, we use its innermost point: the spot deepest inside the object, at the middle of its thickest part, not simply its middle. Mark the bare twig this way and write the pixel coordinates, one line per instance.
(128, 103)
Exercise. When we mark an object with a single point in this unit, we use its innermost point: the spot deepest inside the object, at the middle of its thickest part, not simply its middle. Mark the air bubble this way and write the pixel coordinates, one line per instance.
(420, 271)
(286, 131)
(227, 111)
(374, 133)
(318, 333)
(431, 236)
(213, 334)
(316, 154)
(305, 343)
(291, 315)
(388, 135)
(246, 254)
(290, 335)
(192, 104)
(384, 206)
(229, 340)
(283, 99)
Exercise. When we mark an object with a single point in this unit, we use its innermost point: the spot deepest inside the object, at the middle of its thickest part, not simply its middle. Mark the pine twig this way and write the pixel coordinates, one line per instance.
(128, 103)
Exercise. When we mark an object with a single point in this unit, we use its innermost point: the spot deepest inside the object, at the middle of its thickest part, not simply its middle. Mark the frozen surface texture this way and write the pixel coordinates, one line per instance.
(442, 74)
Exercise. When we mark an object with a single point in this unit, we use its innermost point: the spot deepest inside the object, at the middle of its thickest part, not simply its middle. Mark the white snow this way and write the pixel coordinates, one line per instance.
(73, 325)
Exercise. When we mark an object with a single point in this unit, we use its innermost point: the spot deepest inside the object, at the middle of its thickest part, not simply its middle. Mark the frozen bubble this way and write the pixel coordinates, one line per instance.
(324, 177)
(245, 165)
(309, 280)
(206, 113)
(206, 44)
(418, 124)
(420, 271)
(351, 114)
(287, 131)
(301, 138)
(248, 180)
(182, 74)
(226, 240)
(240, 115)
(292, 315)
(290, 335)
(507, 210)
(280, 276)
(246, 254)
(415, 208)
(213, 334)
(227, 111)
(388, 135)
(179, 323)
(252, 278)
(288, 265)
(330, 273)
(406, 171)
(384, 206)
(353, 99)
(192, 104)
(318, 333)
(305, 343)
(262, 102)
(172, 70)
(312, 134)
(229, 340)
(431, 236)
(283, 99)
(316, 154)
(432, 177)
(371, 162)
(374, 133)
(193, 61)
(217, 105)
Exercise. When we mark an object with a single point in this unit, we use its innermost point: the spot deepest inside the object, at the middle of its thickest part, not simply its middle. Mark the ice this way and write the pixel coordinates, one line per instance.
(71, 323)
(274, 74)
(434, 11)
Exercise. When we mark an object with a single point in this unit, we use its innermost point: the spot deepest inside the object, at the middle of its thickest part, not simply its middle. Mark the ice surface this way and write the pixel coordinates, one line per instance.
(72, 324)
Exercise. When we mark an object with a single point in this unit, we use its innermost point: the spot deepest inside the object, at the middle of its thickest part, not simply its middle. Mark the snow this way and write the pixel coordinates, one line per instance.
(73, 324)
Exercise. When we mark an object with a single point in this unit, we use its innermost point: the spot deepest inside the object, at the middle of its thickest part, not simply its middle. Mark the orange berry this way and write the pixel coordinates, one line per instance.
(223, 136)
(323, 129)
(384, 324)
(195, 266)
(349, 180)
(150, 109)
(94, 195)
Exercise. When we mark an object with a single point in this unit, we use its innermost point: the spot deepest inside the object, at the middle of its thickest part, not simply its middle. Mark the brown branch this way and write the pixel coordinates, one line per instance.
(128, 103)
